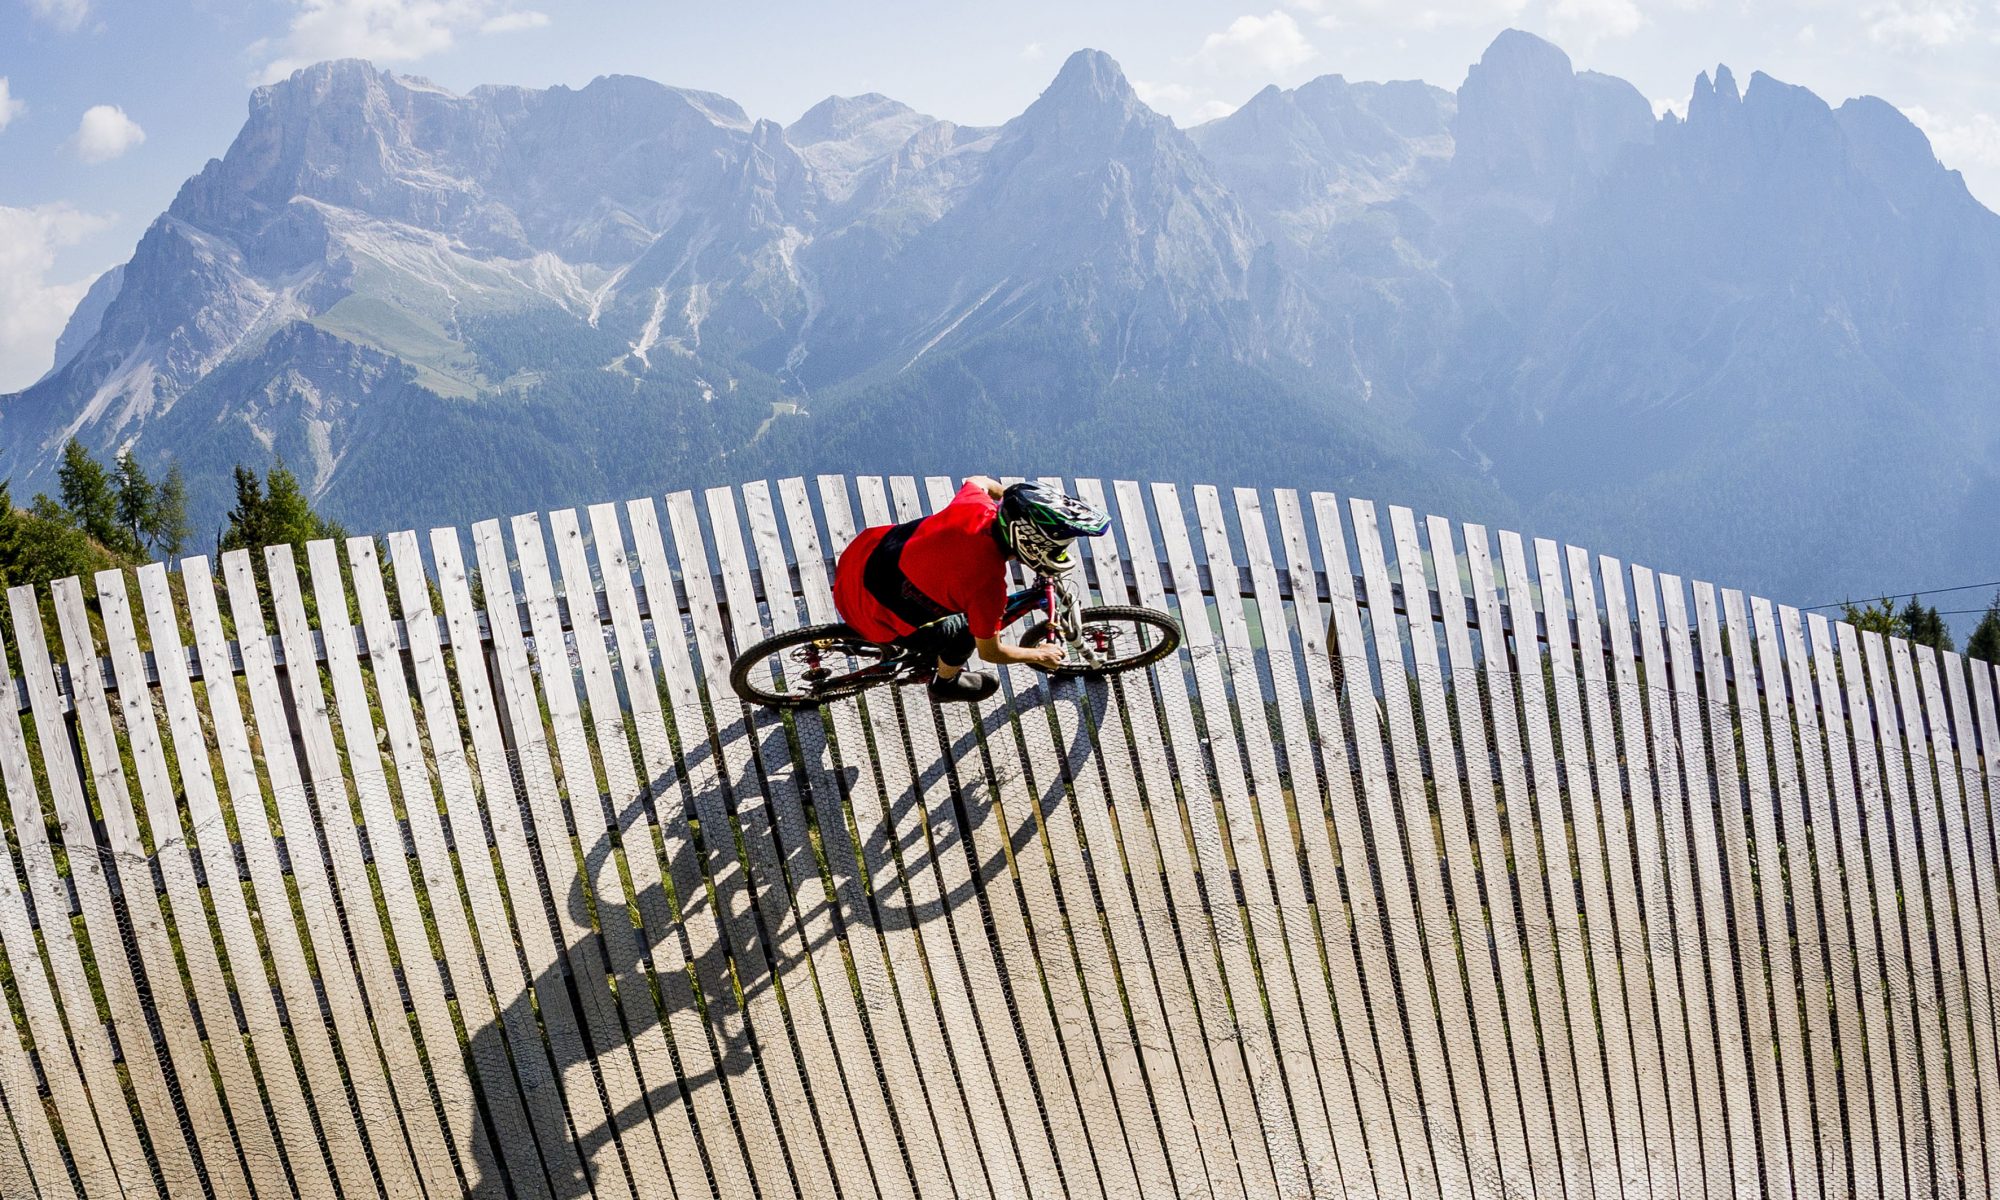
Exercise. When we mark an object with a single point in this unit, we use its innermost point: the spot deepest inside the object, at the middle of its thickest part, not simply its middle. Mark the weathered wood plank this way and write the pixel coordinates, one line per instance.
(591, 1124)
(336, 826)
(1510, 686)
(420, 971)
(514, 1133)
(257, 1142)
(1598, 944)
(340, 1124)
(1977, 839)
(117, 974)
(1622, 946)
(499, 949)
(1764, 967)
(1421, 916)
(1147, 814)
(619, 919)
(1667, 682)
(756, 1029)
(1900, 1061)
(1828, 775)
(1266, 923)
(929, 1107)
(1800, 939)
(1659, 954)
(743, 739)
(1749, 1127)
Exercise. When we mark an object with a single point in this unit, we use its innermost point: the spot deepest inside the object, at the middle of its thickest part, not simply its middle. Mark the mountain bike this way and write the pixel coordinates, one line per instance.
(818, 663)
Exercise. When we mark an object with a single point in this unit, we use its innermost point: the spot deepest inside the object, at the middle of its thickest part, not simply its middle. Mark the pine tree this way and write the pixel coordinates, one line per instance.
(1924, 626)
(273, 511)
(87, 494)
(1877, 617)
(134, 497)
(166, 522)
(1984, 644)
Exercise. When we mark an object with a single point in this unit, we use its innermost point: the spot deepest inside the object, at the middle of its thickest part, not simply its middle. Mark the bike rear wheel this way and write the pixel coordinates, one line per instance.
(1124, 637)
(812, 665)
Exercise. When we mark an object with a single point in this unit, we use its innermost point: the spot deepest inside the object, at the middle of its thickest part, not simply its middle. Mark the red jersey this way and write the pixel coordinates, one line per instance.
(894, 578)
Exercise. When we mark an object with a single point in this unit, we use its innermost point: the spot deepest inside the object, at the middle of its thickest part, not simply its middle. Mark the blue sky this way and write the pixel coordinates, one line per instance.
(108, 105)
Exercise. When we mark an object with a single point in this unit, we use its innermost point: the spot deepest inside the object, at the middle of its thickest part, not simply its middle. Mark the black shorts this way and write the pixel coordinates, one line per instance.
(948, 640)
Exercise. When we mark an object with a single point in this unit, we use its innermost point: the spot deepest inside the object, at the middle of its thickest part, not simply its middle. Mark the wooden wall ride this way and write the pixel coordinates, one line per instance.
(1438, 864)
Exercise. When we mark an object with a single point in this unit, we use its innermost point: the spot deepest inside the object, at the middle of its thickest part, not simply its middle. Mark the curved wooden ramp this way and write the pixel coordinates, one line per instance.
(1439, 864)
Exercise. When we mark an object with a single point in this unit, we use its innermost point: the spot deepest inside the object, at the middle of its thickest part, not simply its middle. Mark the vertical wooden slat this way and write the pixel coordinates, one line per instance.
(1336, 1006)
(1668, 684)
(1295, 963)
(853, 788)
(1198, 809)
(1541, 867)
(591, 1123)
(116, 973)
(1268, 926)
(618, 917)
(752, 1033)
(257, 1143)
(1973, 990)
(1802, 936)
(1599, 946)
(1842, 882)
(1363, 976)
(336, 826)
(742, 737)
(1983, 938)
(630, 1108)
(500, 951)
(339, 1123)
(1514, 1040)
(1923, 702)
(918, 825)
(514, 1132)
(1631, 960)
(420, 972)
(1502, 1087)
(97, 1167)
(1893, 687)
(35, 1165)
(960, 902)
(1438, 1168)
(1749, 1127)
(1425, 937)
(1190, 981)
(1900, 1057)
(989, 829)
(1763, 967)
(878, 1080)
(1662, 946)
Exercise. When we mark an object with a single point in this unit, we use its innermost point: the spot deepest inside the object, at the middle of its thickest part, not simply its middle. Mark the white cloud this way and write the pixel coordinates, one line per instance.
(33, 309)
(1422, 15)
(9, 107)
(383, 30)
(1269, 46)
(105, 133)
(1677, 106)
(1921, 24)
(1187, 105)
(66, 15)
(514, 22)
(1033, 51)
(1591, 21)
(1972, 141)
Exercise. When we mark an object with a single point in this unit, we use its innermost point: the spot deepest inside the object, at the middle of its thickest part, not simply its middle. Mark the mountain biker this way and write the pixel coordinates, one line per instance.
(938, 585)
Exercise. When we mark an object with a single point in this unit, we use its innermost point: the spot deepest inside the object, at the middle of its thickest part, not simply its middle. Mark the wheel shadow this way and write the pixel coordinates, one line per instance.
(806, 781)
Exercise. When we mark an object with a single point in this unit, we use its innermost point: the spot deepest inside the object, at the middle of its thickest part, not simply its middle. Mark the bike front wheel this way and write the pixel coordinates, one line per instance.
(812, 665)
(1117, 637)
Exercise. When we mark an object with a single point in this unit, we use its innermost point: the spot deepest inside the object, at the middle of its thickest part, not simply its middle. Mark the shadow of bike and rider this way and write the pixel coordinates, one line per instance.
(962, 778)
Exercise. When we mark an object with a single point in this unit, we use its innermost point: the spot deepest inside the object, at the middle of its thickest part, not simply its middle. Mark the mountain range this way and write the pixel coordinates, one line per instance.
(1759, 343)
